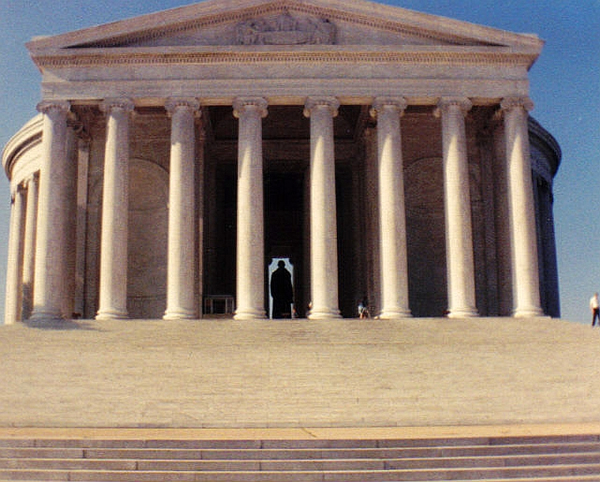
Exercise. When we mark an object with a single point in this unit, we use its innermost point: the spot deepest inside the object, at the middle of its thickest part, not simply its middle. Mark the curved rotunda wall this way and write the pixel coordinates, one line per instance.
(148, 223)
(21, 157)
(545, 161)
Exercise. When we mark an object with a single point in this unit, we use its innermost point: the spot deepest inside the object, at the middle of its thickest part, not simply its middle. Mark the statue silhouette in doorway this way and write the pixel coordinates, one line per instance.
(282, 291)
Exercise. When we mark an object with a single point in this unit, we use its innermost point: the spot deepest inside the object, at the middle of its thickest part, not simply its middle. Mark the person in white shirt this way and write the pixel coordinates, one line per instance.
(594, 307)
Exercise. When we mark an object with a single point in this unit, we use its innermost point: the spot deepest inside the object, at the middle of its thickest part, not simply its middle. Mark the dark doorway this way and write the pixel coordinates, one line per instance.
(273, 266)
(285, 227)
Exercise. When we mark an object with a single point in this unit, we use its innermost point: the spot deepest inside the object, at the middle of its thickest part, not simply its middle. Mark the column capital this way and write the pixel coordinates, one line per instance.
(463, 103)
(173, 103)
(32, 178)
(18, 189)
(312, 102)
(242, 103)
(46, 106)
(78, 127)
(509, 103)
(397, 103)
(123, 103)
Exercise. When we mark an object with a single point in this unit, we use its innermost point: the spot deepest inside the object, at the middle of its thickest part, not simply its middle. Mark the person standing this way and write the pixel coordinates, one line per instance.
(594, 308)
(282, 291)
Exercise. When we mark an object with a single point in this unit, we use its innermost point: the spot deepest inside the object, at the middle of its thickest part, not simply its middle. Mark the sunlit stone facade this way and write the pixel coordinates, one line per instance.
(388, 154)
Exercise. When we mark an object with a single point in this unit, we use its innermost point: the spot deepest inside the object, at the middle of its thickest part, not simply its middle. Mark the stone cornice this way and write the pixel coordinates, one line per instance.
(213, 55)
(214, 12)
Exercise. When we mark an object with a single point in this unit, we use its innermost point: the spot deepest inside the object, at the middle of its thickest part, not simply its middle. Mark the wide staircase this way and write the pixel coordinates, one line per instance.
(571, 458)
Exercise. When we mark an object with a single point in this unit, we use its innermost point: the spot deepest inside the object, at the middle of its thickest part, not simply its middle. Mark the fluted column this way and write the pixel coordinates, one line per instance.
(392, 215)
(50, 252)
(115, 211)
(323, 223)
(525, 274)
(14, 268)
(457, 200)
(29, 245)
(181, 302)
(250, 292)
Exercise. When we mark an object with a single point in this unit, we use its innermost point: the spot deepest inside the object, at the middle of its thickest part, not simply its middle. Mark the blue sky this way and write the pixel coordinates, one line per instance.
(565, 87)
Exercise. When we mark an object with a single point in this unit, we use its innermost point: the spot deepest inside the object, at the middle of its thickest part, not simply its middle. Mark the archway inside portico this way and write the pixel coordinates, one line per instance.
(286, 231)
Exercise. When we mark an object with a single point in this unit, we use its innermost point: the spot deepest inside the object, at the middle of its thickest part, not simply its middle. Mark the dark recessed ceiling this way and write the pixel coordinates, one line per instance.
(284, 122)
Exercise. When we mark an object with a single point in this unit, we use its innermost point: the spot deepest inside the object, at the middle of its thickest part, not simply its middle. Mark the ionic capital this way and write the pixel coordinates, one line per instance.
(399, 104)
(32, 178)
(48, 106)
(445, 103)
(241, 104)
(314, 102)
(77, 127)
(191, 103)
(120, 103)
(509, 103)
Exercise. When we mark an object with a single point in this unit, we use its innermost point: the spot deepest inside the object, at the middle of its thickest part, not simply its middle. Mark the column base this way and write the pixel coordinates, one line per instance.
(244, 315)
(180, 315)
(45, 316)
(324, 314)
(394, 314)
(528, 313)
(111, 315)
(464, 313)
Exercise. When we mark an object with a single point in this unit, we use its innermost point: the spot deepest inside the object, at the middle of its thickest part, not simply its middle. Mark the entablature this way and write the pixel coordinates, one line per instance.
(425, 91)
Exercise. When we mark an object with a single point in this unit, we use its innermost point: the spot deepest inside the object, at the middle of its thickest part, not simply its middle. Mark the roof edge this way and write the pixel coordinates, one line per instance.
(220, 9)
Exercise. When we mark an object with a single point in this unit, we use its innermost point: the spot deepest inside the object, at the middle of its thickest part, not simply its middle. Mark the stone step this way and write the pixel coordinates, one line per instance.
(128, 463)
(569, 478)
(573, 458)
(306, 476)
(580, 478)
(199, 444)
(298, 453)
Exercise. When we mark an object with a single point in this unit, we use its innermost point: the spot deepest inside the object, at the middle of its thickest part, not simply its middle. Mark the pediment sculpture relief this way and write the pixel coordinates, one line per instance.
(286, 29)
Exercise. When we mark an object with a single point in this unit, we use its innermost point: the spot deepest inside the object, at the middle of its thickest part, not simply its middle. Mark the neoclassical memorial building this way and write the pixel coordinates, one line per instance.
(385, 154)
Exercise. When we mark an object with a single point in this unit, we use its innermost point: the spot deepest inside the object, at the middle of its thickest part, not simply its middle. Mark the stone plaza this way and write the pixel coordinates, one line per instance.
(501, 372)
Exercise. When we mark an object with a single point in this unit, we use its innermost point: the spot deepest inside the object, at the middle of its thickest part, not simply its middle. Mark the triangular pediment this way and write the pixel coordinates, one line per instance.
(285, 23)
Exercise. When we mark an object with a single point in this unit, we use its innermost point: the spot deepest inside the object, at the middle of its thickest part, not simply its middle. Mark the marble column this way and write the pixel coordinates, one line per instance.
(525, 274)
(250, 291)
(29, 245)
(457, 200)
(115, 211)
(181, 300)
(50, 252)
(14, 267)
(201, 184)
(392, 215)
(323, 222)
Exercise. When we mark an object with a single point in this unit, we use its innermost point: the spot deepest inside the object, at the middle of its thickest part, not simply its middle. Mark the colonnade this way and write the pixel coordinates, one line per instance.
(45, 207)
